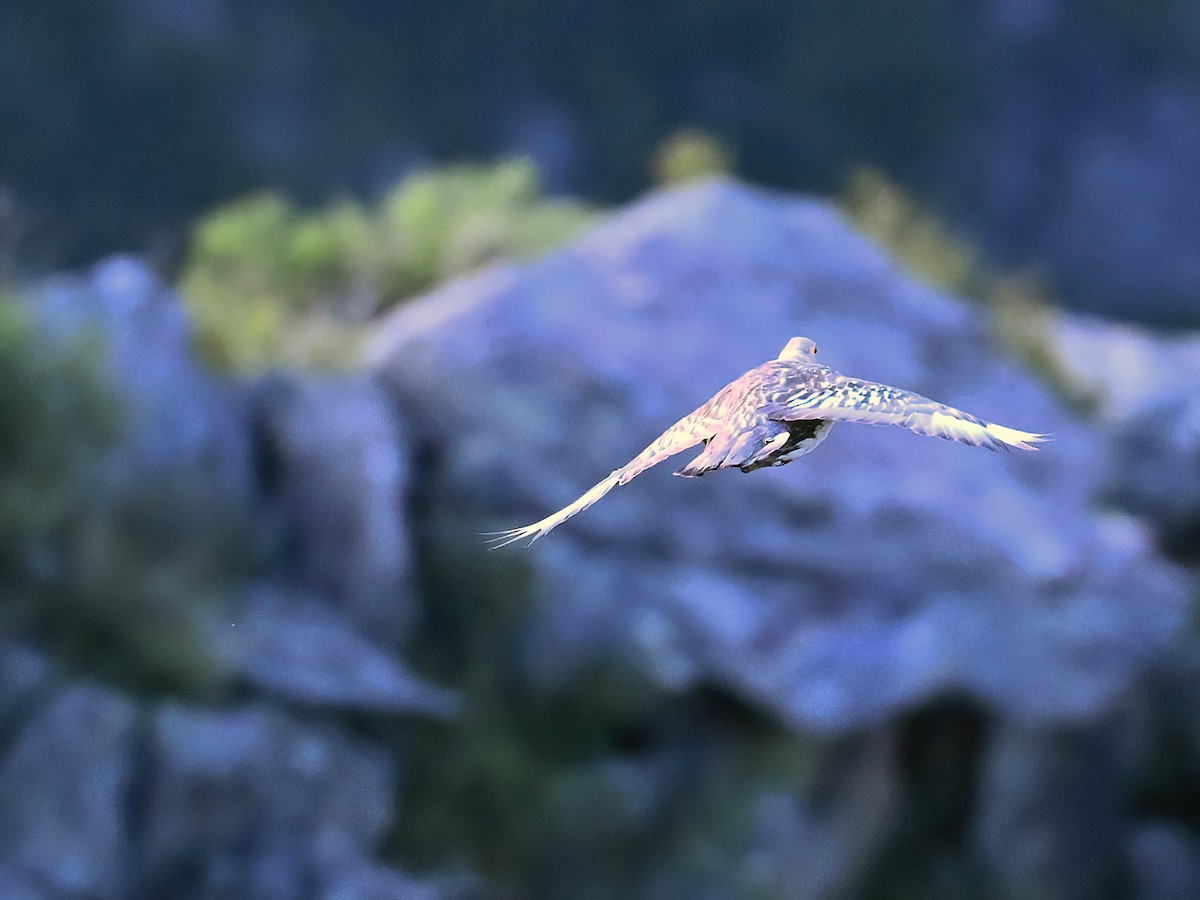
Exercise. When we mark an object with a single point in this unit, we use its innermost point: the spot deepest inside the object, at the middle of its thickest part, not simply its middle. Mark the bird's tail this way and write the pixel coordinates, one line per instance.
(497, 539)
(687, 432)
(1011, 437)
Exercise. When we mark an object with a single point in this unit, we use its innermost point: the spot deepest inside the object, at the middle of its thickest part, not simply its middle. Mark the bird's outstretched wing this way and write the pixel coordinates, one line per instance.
(687, 432)
(854, 400)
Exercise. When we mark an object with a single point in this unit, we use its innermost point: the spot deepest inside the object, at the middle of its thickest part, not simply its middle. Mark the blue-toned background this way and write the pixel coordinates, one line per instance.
(1055, 134)
(297, 299)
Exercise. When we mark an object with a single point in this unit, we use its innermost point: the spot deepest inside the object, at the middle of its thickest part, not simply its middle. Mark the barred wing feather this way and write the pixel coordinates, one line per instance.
(854, 400)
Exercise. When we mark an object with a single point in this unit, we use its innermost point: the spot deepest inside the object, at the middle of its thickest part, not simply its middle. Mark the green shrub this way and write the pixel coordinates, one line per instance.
(887, 213)
(267, 283)
(691, 154)
(1021, 304)
(56, 418)
(116, 578)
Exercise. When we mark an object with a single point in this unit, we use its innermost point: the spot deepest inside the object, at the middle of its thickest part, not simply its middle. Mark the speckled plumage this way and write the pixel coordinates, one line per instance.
(778, 412)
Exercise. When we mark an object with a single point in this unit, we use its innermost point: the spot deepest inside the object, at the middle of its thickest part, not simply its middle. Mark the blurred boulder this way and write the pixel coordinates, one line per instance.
(1164, 859)
(334, 456)
(177, 413)
(201, 803)
(881, 571)
(820, 848)
(17, 886)
(1143, 385)
(250, 803)
(26, 675)
(1050, 820)
(303, 649)
(64, 788)
(365, 882)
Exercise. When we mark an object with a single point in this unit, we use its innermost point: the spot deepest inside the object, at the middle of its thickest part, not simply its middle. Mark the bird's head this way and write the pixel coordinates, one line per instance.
(800, 348)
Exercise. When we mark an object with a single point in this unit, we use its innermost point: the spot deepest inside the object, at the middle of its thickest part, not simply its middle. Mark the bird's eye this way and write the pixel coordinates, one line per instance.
(814, 351)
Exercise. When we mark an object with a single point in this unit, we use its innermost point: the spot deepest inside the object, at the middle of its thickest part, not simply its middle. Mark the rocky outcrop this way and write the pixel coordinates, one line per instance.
(334, 466)
(900, 662)
(268, 793)
(248, 803)
(1142, 384)
(299, 648)
(64, 781)
(177, 414)
(836, 596)
(880, 572)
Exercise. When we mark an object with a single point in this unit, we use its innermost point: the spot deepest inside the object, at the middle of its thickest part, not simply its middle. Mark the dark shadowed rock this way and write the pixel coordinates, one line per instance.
(25, 676)
(339, 468)
(63, 789)
(1049, 811)
(880, 571)
(1164, 861)
(251, 803)
(304, 649)
(821, 848)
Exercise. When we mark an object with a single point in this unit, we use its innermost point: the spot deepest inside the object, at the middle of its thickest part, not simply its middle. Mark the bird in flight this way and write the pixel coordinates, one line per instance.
(778, 412)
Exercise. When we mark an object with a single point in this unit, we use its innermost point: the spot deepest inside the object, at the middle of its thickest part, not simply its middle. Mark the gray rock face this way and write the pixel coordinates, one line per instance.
(1050, 822)
(820, 849)
(1144, 385)
(199, 803)
(833, 595)
(26, 676)
(382, 883)
(63, 788)
(18, 886)
(178, 414)
(341, 472)
(1165, 861)
(880, 571)
(251, 804)
(302, 649)
(101, 798)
